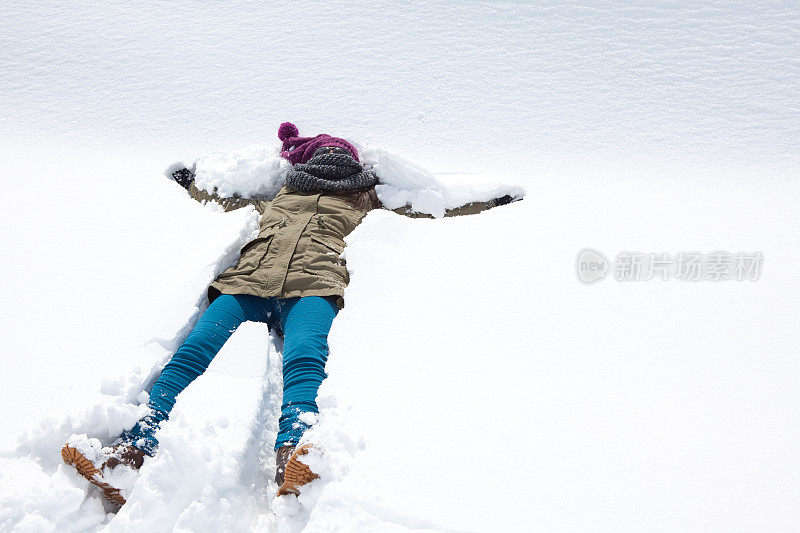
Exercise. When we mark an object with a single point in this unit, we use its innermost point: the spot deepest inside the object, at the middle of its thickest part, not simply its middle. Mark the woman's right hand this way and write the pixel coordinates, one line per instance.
(183, 177)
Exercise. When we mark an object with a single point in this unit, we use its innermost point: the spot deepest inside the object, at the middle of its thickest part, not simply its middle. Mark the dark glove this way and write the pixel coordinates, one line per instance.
(503, 200)
(183, 177)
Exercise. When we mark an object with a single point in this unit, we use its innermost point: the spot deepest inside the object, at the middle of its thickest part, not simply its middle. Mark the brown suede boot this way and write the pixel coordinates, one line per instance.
(124, 454)
(290, 473)
(282, 457)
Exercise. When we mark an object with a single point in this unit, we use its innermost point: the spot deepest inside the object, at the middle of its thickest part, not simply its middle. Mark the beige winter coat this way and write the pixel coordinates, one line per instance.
(299, 243)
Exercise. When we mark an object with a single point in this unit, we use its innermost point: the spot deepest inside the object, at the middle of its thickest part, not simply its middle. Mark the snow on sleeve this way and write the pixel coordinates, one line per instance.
(250, 171)
(260, 171)
(403, 182)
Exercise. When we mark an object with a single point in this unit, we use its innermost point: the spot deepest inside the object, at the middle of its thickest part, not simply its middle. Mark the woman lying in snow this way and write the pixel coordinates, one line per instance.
(290, 277)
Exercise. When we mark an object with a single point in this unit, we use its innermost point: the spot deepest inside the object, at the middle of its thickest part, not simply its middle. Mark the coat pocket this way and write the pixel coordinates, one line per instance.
(271, 225)
(329, 249)
(251, 254)
(325, 262)
(265, 236)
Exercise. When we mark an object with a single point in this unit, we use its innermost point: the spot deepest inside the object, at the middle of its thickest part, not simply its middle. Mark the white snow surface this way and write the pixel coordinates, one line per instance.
(474, 384)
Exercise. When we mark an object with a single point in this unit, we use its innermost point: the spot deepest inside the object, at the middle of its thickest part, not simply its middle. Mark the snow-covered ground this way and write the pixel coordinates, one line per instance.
(474, 383)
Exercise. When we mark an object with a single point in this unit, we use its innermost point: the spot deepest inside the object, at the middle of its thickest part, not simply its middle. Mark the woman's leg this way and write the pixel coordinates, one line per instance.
(306, 322)
(216, 325)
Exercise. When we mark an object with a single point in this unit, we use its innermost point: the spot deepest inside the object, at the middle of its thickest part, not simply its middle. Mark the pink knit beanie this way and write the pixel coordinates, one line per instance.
(300, 149)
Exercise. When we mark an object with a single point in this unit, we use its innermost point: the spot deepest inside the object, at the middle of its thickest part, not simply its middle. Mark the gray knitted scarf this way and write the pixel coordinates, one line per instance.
(330, 172)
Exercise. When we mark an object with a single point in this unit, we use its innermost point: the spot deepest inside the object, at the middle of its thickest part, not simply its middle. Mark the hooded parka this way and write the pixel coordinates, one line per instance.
(300, 241)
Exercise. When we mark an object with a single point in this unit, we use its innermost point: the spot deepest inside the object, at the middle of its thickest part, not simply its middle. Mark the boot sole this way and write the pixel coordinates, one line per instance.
(296, 474)
(84, 466)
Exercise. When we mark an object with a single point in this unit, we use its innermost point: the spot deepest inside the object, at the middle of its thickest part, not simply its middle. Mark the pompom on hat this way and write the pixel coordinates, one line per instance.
(301, 149)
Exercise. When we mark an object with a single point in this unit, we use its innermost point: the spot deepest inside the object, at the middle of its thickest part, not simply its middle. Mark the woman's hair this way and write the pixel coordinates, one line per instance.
(361, 199)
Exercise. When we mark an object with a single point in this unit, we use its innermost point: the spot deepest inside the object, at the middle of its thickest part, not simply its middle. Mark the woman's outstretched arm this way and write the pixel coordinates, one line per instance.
(185, 178)
(472, 208)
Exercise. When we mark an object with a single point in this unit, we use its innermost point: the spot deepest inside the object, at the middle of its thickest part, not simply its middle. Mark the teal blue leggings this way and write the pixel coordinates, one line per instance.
(305, 323)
